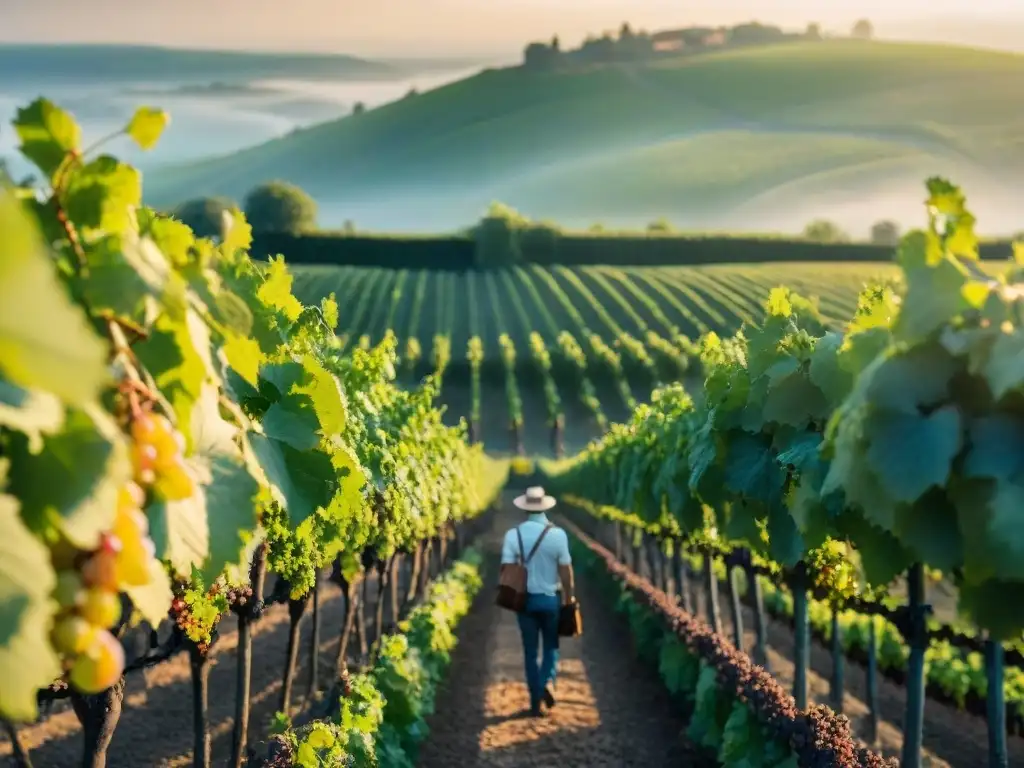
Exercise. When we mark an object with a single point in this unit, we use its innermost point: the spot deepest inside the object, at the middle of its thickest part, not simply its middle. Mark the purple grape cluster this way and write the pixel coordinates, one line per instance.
(819, 737)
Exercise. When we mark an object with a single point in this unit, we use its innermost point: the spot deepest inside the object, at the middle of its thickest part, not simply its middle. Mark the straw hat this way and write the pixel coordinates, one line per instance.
(534, 500)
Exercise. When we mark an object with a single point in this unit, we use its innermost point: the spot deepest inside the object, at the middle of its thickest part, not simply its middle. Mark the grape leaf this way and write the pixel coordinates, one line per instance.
(301, 482)
(152, 600)
(929, 527)
(995, 447)
(276, 290)
(882, 556)
(47, 134)
(910, 454)
(74, 482)
(794, 401)
(147, 125)
(26, 613)
(996, 605)
(244, 356)
(907, 381)
(1004, 369)
(30, 411)
(123, 272)
(103, 195)
(45, 341)
(206, 530)
(752, 471)
(173, 357)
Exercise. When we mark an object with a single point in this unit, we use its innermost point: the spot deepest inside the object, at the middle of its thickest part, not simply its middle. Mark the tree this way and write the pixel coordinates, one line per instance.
(660, 226)
(824, 231)
(278, 206)
(358, 108)
(556, 44)
(204, 215)
(625, 32)
(863, 30)
(885, 233)
(813, 31)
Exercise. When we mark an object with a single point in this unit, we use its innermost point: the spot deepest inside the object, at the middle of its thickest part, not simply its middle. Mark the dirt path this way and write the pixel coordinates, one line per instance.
(611, 711)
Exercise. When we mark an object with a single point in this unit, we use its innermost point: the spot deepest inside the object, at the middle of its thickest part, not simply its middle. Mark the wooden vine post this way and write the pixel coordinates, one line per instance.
(802, 633)
(682, 575)
(872, 680)
(837, 682)
(760, 625)
(247, 614)
(915, 630)
(995, 704)
(732, 587)
(714, 615)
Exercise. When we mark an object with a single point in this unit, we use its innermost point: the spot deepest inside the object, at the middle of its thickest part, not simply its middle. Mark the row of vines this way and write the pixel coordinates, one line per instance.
(174, 424)
(837, 462)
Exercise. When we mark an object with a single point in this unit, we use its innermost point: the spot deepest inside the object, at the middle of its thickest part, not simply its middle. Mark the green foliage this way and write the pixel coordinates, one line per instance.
(382, 719)
(278, 206)
(274, 432)
(860, 453)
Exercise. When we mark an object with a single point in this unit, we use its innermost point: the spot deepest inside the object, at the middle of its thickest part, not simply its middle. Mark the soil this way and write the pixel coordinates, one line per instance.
(953, 738)
(611, 710)
(155, 729)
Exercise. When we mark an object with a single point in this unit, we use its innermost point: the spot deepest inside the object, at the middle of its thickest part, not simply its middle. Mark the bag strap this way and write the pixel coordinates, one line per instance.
(522, 553)
(536, 544)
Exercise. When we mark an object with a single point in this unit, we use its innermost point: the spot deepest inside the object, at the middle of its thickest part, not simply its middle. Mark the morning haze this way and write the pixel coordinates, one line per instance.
(381, 110)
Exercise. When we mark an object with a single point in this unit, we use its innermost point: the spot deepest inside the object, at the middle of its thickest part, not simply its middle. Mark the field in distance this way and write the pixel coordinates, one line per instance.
(584, 343)
(743, 139)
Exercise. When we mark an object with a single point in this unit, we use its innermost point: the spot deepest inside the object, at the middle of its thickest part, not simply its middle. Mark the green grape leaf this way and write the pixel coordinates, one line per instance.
(30, 411)
(929, 527)
(934, 295)
(301, 482)
(996, 605)
(146, 126)
(238, 236)
(995, 447)
(276, 290)
(794, 401)
(1004, 369)
(103, 195)
(907, 381)
(882, 556)
(991, 518)
(45, 341)
(206, 529)
(742, 741)
(910, 454)
(174, 356)
(785, 542)
(751, 470)
(26, 614)
(151, 600)
(826, 372)
(244, 356)
(173, 238)
(47, 134)
(123, 272)
(74, 482)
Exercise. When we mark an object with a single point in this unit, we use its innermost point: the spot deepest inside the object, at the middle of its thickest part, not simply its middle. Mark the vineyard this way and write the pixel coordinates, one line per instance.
(586, 343)
(241, 527)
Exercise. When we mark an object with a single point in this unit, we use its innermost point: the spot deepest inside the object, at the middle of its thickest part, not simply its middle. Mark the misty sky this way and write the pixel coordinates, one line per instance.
(463, 27)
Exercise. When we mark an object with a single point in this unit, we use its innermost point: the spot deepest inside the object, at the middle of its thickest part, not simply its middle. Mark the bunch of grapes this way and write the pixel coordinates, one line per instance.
(157, 454)
(196, 611)
(89, 595)
(832, 573)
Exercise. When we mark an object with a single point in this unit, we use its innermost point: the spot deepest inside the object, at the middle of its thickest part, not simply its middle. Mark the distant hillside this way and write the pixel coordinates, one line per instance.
(128, 62)
(747, 135)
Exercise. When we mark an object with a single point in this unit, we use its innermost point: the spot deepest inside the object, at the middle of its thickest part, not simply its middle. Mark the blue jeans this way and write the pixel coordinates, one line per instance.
(539, 627)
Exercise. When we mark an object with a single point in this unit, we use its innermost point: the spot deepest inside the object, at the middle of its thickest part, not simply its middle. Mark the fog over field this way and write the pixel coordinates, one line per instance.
(211, 115)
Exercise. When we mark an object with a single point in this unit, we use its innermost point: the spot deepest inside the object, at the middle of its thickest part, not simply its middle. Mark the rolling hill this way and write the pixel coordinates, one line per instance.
(724, 139)
(63, 63)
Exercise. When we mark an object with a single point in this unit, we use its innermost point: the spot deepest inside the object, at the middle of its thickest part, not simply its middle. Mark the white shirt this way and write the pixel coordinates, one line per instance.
(542, 570)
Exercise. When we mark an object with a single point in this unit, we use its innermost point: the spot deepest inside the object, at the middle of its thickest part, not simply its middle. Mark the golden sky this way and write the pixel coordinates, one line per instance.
(456, 27)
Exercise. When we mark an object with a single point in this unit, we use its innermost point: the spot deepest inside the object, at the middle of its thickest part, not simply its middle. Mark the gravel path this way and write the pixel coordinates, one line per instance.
(611, 711)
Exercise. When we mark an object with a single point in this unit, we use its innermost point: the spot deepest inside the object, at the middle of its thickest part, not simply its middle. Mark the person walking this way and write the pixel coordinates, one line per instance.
(543, 549)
